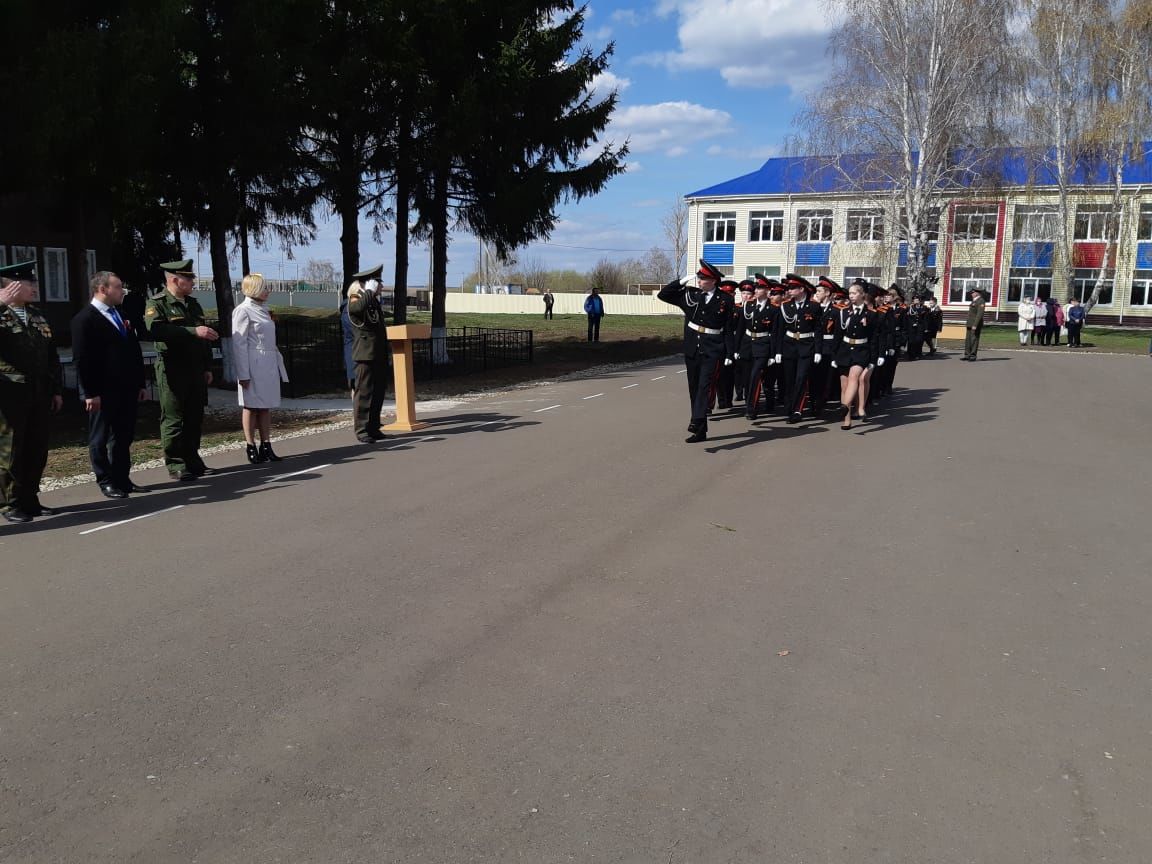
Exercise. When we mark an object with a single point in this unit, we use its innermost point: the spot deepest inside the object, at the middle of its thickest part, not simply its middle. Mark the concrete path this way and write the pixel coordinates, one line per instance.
(546, 630)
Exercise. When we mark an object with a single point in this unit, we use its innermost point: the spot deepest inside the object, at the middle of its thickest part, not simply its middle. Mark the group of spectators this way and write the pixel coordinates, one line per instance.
(1043, 322)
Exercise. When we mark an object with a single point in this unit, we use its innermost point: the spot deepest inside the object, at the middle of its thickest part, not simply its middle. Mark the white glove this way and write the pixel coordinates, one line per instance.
(771, 361)
(817, 359)
(736, 356)
(779, 358)
(880, 362)
(834, 366)
(727, 361)
(372, 286)
(871, 366)
(687, 280)
(891, 352)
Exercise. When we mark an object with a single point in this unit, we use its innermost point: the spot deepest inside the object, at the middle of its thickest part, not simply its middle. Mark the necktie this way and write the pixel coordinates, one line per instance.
(119, 321)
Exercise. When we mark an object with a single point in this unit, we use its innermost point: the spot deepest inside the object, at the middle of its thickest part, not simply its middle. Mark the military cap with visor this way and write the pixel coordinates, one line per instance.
(24, 271)
(371, 273)
(707, 271)
(180, 268)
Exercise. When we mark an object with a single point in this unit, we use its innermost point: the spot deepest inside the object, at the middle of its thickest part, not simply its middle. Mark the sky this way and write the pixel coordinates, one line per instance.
(708, 90)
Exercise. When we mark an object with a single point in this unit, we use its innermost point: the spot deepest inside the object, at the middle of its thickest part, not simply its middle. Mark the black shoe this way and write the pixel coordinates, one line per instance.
(795, 418)
(110, 491)
(726, 407)
(365, 439)
(38, 509)
(252, 453)
(16, 517)
(267, 454)
(133, 489)
(378, 436)
(695, 437)
(205, 471)
(185, 476)
(748, 415)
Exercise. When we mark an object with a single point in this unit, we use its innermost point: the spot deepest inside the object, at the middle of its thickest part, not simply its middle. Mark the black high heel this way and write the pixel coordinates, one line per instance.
(266, 454)
(253, 454)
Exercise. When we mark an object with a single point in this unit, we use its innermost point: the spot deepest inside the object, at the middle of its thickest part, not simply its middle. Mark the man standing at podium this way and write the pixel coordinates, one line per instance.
(369, 353)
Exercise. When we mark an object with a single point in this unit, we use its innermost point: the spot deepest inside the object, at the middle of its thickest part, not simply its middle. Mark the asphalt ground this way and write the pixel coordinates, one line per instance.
(545, 630)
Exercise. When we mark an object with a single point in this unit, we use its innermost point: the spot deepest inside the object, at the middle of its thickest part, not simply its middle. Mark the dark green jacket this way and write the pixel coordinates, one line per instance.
(171, 325)
(27, 355)
(976, 314)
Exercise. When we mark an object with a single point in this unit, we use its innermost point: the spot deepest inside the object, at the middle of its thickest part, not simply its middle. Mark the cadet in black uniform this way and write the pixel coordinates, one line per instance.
(774, 373)
(726, 377)
(917, 328)
(756, 320)
(795, 333)
(856, 347)
(742, 347)
(707, 337)
(820, 377)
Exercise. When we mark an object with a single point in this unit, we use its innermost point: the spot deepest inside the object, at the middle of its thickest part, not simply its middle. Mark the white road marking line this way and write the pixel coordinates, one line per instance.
(593, 396)
(298, 473)
(629, 386)
(198, 498)
(549, 408)
(133, 519)
(682, 372)
(659, 377)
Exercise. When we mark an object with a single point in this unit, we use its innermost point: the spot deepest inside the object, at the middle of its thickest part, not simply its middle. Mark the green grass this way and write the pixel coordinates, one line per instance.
(1093, 339)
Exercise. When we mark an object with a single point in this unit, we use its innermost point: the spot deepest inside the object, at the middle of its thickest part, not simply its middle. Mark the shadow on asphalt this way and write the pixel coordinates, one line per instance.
(231, 483)
(457, 424)
(903, 408)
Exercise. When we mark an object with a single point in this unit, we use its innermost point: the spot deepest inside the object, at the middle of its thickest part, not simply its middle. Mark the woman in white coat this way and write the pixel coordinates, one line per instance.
(259, 367)
(1025, 315)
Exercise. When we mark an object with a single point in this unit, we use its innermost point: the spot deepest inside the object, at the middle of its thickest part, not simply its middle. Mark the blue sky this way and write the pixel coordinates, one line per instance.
(708, 91)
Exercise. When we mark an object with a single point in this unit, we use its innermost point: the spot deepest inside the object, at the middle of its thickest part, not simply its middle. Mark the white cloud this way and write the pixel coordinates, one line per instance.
(758, 153)
(602, 35)
(752, 43)
(667, 127)
(606, 82)
(630, 17)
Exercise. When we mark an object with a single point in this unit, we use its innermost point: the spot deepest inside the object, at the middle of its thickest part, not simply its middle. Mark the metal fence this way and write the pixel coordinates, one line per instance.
(314, 353)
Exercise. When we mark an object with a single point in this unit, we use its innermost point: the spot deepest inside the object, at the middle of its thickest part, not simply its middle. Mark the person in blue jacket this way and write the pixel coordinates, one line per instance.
(594, 309)
(346, 332)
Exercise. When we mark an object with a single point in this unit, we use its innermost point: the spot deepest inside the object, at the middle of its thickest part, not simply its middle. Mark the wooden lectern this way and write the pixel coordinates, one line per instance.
(400, 338)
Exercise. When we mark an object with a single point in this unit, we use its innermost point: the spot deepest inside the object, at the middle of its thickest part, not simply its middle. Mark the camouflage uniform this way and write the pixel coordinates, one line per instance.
(30, 378)
(182, 358)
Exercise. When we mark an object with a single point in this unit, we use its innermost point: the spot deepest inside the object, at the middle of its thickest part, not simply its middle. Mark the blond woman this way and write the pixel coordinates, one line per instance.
(259, 367)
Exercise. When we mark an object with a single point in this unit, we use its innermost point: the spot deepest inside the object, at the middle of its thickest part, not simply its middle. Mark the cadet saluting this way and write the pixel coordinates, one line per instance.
(708, 316)
(175, 322)
(30, 391)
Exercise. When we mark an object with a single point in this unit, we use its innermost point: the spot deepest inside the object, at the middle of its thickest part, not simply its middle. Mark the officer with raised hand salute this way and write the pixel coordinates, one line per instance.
(708, 343)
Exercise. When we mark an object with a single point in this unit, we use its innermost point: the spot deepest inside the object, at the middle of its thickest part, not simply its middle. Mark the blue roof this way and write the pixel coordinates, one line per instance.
(800, 175)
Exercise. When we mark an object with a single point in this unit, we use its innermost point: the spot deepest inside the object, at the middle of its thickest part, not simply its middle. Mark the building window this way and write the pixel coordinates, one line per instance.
(809, 273)
(720, 227)
(3, 256)
(872, 274)
(1092, 221)
(766, 226)
(904, 280)
(1028, 284)
(964, 279)
(929, 224)
(1142, 288)
(865, 226)
(1036, 223)
(1083, 281)
(977, 222)
(1144, 229)
(55, 277)
(813, 225)
(20, 254)
(771, 272)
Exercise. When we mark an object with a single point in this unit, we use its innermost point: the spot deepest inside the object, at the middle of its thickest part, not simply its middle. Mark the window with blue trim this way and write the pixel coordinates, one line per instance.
(720, 227)
(766, 226)
(1036, 223)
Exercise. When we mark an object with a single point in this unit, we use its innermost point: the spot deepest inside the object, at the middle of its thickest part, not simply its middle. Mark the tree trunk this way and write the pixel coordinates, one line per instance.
(400, 279)
(245, 265)
(349, 209)
(222, 282)
(439, 264)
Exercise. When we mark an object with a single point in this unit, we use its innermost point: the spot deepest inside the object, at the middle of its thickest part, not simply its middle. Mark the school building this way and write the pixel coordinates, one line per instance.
(796, 215)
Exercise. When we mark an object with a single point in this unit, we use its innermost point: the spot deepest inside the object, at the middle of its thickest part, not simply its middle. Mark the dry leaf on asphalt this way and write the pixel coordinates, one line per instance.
(783, 653)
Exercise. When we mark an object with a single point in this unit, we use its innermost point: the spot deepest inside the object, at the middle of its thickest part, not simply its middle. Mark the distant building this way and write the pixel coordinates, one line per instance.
(68, 243)
(794, 216)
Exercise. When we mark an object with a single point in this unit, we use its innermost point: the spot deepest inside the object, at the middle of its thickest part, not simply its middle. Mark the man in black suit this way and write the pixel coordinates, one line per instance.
(110, 377)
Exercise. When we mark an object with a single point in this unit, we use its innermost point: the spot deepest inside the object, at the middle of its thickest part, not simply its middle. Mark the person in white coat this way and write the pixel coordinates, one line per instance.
(259, 367)
(1025, 316)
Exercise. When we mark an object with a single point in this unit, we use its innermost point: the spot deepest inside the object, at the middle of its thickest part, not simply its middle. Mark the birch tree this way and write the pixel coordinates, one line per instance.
(912, 109)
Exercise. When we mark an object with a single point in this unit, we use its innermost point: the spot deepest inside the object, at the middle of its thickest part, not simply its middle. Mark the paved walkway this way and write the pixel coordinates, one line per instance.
(546, 630)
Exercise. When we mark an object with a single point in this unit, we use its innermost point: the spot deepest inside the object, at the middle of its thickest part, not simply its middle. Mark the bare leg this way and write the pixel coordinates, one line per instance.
(851, 392)
(862, 393)
(264, 418)
(248, 424)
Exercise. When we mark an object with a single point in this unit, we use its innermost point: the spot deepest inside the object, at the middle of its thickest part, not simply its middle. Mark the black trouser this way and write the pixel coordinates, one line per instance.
(547, 312)
(371, 384)
(1052, 334)
(755, 385)
(795, 375)
(702, 373)
(725, 383)
(25, 416)
(1074, 328)
(818, 384)
(915, 348)
(594, 328)
(743, 369)
(111, 431)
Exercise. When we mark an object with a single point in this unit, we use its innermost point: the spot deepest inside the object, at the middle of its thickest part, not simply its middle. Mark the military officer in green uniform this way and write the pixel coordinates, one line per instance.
(175, 323)
(369, 353)
(974, 325)
(30, 392)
